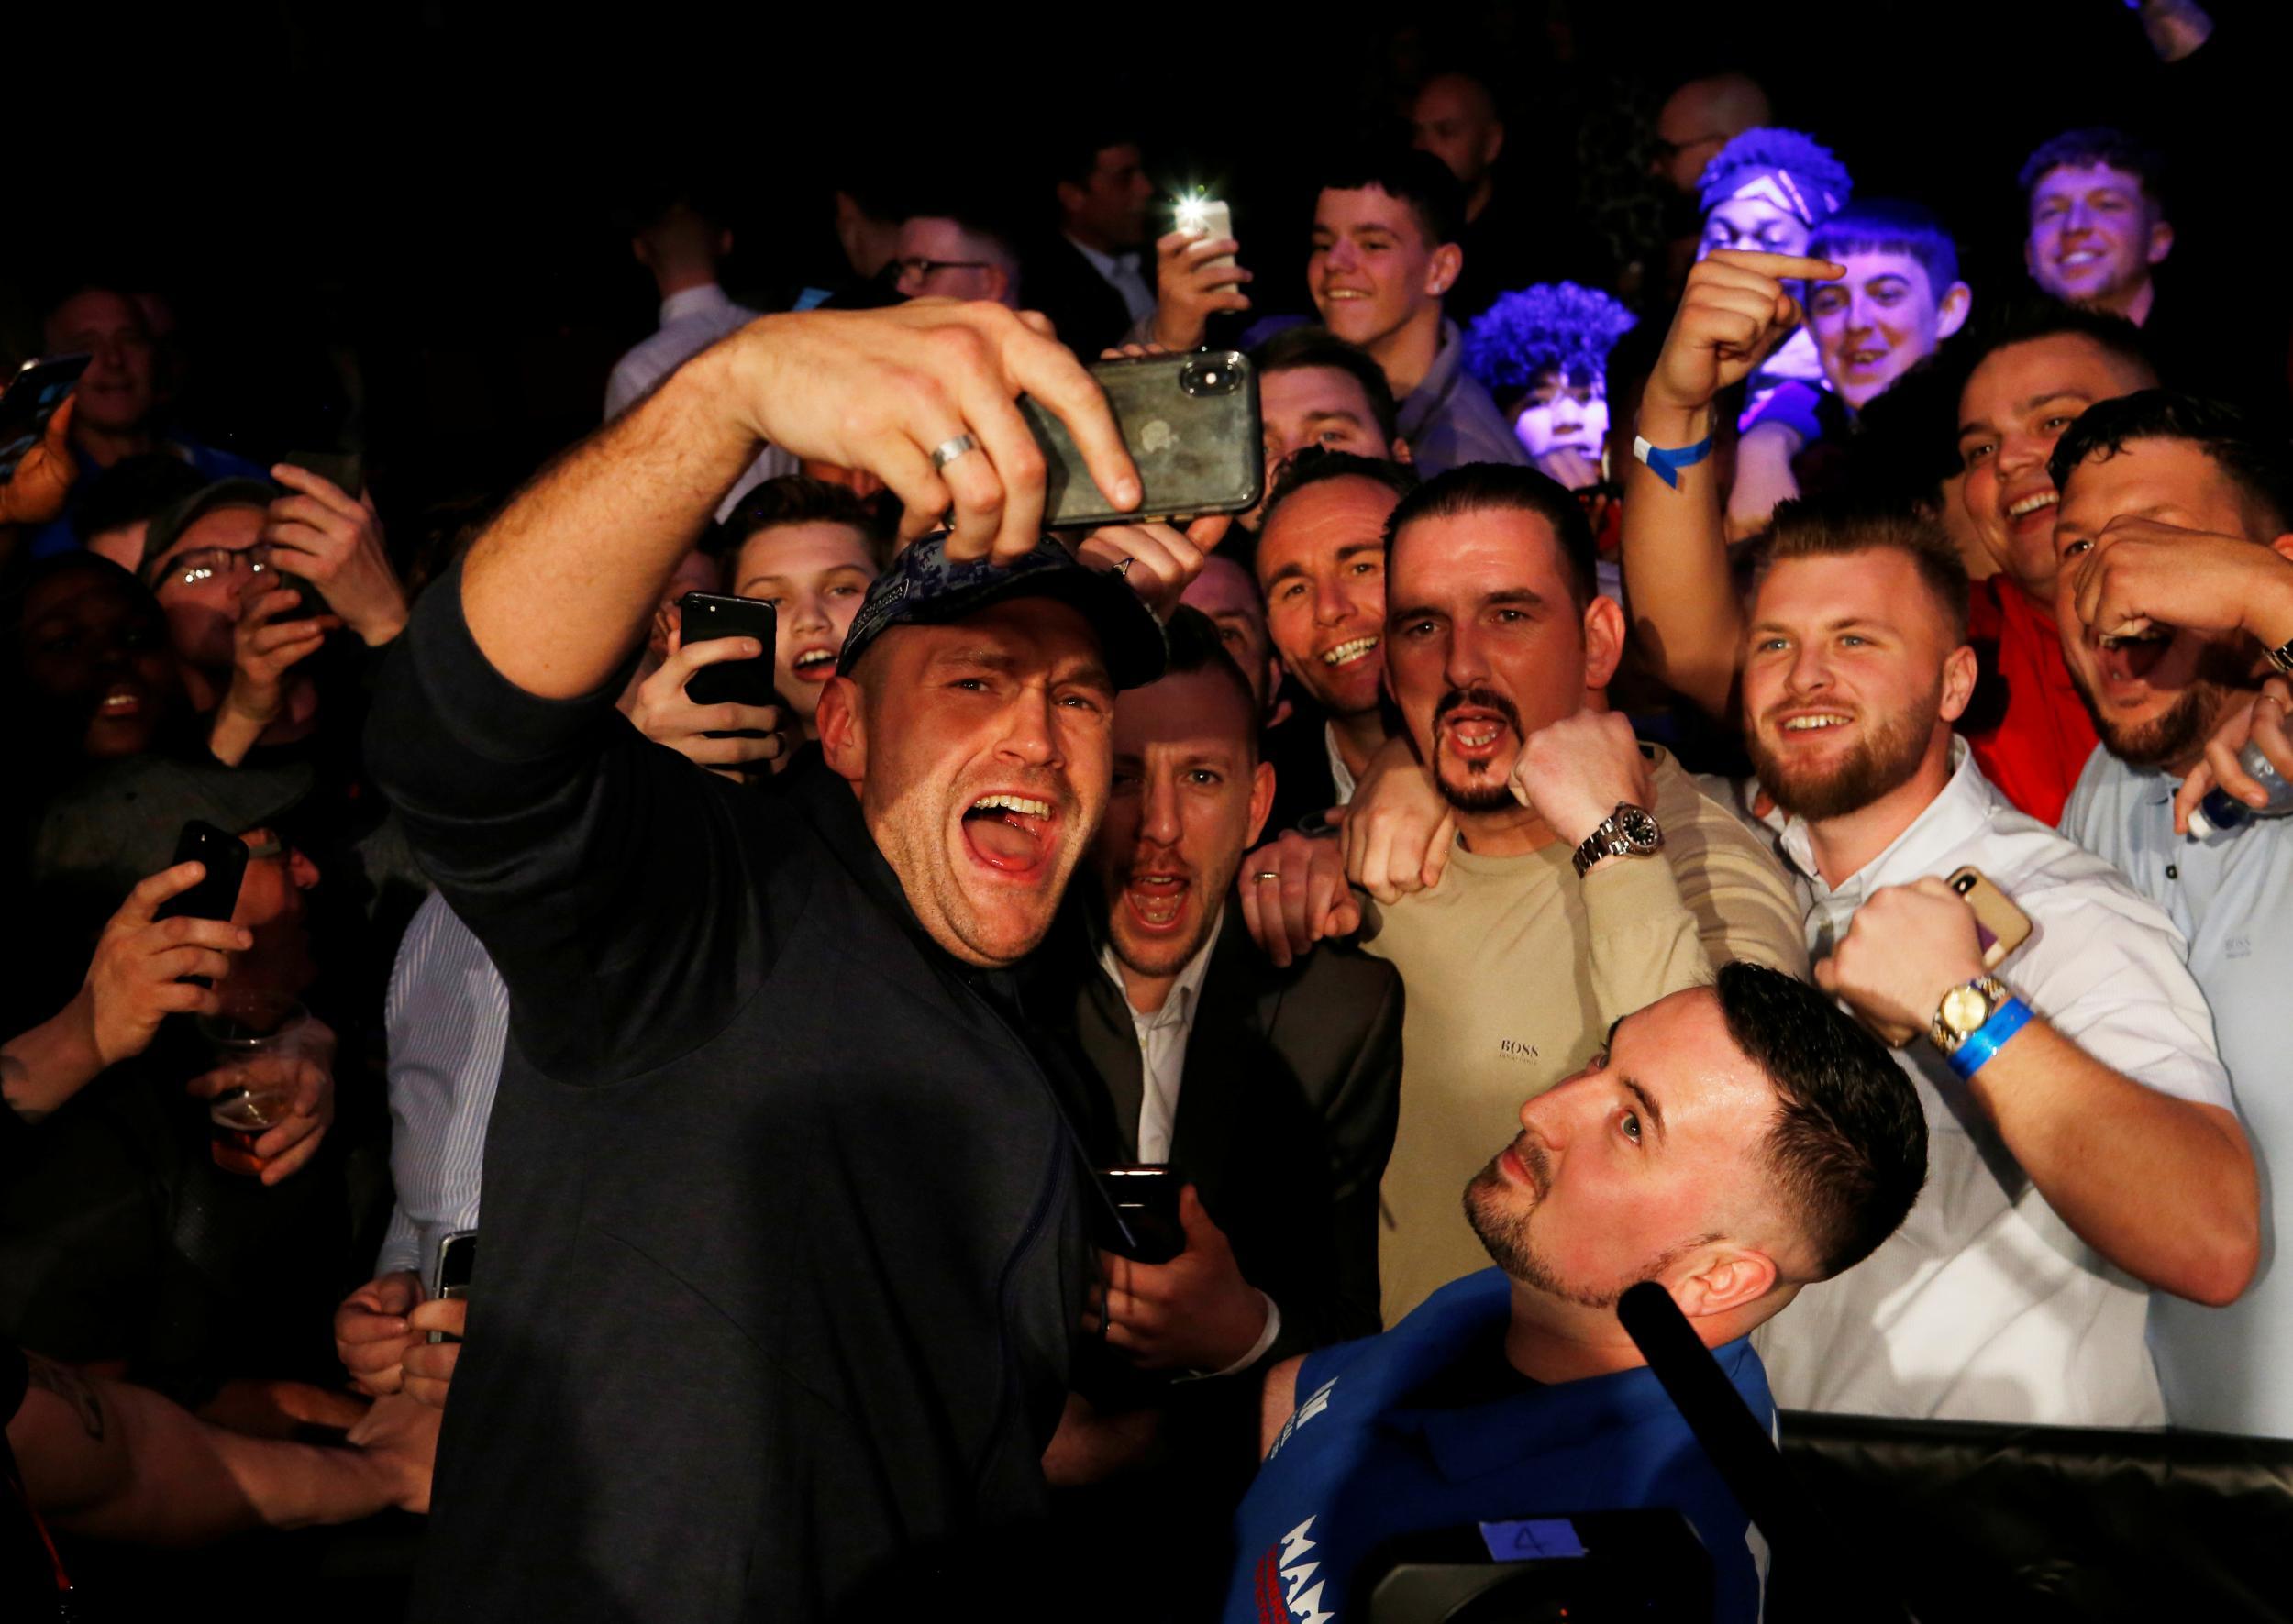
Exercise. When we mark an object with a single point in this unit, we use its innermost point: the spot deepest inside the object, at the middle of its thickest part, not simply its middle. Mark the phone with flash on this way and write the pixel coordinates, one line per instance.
(457, 1260)
(1205, 217)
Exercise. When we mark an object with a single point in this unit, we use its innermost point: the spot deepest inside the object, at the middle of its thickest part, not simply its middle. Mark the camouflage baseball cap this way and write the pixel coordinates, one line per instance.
(925, 587)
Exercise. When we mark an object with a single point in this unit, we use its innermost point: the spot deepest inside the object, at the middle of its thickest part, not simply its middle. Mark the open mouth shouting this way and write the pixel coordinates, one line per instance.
(1475, 726)
(1157, 900)
(2128, 660)
(1012, 834)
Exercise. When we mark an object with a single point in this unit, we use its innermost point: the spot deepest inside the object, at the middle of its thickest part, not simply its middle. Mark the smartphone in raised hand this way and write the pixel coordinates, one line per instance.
(1191, 424)
(29, 400)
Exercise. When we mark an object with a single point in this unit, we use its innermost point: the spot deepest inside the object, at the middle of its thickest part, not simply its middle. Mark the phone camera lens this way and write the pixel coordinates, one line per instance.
(1206, 378)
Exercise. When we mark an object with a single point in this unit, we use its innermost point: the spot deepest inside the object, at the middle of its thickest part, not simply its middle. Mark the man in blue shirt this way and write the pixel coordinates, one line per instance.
(1734, 1143)
(2175, 596)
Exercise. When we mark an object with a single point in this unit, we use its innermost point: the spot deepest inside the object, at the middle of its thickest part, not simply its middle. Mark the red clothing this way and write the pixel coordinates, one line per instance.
(2035, 750)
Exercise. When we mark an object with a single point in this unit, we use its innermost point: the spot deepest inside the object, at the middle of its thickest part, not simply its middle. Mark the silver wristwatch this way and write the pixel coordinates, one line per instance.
(1628, 832)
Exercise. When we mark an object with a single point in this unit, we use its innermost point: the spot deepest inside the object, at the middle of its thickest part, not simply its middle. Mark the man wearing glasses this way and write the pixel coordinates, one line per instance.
(216, 562)
(957, 256)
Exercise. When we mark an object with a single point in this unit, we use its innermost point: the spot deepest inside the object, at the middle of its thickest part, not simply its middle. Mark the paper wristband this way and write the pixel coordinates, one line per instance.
(1668, 464)
(1989, 1038)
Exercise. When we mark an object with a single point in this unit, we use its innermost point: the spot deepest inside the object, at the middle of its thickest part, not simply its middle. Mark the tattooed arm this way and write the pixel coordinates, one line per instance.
(118, 1461)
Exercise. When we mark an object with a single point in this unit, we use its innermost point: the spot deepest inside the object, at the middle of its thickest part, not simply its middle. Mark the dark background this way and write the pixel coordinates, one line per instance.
(422, 197)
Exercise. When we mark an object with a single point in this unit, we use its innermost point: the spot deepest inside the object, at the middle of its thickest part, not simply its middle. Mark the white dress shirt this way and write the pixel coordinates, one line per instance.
(1161, 1064)
(1985, 1305)
(691, 321)
(448, 1019)
(2231, 894)
(1162, 1036)
(1122, 273)
(1341, 776)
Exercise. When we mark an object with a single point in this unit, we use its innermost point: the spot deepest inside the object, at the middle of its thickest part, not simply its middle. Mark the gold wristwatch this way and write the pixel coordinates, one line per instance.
(1964, 1010)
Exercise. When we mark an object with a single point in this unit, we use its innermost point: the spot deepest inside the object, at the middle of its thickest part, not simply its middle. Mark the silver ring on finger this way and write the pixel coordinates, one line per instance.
(947, 450)
(1123, 568)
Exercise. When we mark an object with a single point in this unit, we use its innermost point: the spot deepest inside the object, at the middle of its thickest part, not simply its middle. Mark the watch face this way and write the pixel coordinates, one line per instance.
(1639, 828)
(1964, 1009)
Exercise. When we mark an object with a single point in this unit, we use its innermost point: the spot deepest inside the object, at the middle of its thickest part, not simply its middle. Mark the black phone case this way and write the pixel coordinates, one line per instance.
(1146, 1201)
(738, 682)
(1192, 424)
(216, 894)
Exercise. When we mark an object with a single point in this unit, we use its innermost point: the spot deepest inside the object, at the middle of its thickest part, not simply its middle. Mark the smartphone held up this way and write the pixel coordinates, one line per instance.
(1191, 424)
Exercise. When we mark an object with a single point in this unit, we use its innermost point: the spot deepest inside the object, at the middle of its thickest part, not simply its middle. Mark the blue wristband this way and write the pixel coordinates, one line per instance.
(1667, 464)
(1980, 1045)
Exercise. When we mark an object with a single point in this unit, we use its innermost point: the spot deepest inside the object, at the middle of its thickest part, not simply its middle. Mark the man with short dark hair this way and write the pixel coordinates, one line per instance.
(958, 252)
(1456, 118)
(118, 409)
(1088, 276)
(769, 1114)
(1270, 1092)
(1731, 1142)
(1321, 564)
(2176, 600)
(1589, 875)
(2094, 202)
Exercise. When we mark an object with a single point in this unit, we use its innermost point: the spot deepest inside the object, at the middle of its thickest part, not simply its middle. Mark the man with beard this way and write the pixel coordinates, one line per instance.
(2085, 1147)
(1730, 1143)
(783, 1247)
(1589, 877)
(2177, 597)
(2033, 371)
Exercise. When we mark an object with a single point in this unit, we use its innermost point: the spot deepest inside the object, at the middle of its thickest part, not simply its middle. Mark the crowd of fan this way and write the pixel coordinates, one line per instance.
(1841, 574)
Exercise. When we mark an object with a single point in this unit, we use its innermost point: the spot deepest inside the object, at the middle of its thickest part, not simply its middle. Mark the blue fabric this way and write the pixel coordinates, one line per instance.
(1356, 1464)
(58, 536)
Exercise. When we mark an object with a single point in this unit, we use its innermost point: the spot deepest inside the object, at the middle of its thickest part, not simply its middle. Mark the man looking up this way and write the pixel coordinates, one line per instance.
(1589, 875)
(2082, 1129)
(1730, 1143)
(730, 1223)
(2097, 217)
(2176, 598)
(1321, 563)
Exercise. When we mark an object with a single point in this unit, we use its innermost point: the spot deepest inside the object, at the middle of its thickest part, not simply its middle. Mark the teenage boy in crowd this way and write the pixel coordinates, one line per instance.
(2176, 601)
(1386, 229)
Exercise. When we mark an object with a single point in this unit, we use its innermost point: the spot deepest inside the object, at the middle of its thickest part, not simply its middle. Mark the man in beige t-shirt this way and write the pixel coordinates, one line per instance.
(1586, 875)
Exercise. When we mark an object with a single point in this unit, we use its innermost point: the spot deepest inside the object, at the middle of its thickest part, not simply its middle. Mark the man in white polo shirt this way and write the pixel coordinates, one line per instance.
(2083, 1148)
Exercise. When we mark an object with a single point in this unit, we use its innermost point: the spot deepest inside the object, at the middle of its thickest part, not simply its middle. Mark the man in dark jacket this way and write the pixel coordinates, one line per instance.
(783, 1249)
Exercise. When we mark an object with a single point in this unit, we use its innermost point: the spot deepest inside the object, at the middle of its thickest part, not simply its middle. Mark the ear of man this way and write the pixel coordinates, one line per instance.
(843, 724)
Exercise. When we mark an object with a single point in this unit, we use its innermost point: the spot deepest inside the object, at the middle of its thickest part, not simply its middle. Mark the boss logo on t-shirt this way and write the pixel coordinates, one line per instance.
(1514, 1048)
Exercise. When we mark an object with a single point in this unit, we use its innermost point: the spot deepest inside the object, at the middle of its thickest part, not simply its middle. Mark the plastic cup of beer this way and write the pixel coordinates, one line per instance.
(259, 1045)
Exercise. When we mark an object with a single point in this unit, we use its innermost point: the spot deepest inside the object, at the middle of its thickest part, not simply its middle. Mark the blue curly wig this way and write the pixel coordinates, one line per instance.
(1551, 327)
(1820, 179)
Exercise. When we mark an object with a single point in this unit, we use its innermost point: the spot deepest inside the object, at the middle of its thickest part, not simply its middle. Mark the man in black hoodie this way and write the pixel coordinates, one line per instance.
(782, 1239)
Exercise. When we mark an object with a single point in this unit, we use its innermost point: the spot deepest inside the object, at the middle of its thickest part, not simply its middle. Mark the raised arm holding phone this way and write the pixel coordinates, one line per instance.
(771, 1125)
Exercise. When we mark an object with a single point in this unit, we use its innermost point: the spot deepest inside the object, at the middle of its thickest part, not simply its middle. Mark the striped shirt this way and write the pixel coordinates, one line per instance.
(448, 1018)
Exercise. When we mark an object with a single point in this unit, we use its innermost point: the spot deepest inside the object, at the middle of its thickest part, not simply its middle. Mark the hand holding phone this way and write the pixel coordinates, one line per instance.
(1191, 424)
(1140, 1218)
(32, 397)
(451, 1274)
(1196, 276)
(225, 857)
(707, 615)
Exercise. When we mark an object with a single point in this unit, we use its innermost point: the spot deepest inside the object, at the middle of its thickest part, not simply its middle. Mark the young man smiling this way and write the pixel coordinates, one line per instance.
(2082, 1126)
(1384, 251)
